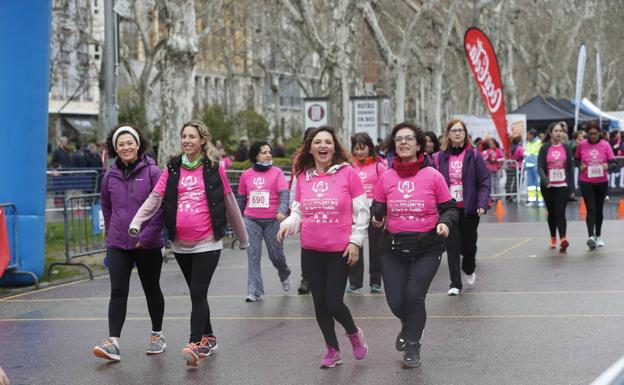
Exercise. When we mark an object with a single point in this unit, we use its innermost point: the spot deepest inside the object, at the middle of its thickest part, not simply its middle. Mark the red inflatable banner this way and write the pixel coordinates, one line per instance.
(5, 253)
(484, 67)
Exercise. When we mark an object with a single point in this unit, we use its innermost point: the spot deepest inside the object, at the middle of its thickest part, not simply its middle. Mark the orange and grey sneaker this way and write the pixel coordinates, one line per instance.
(207, 345)
(553, 242)
(157, 344)
(109, 350)
(563, 245)
(191, 354)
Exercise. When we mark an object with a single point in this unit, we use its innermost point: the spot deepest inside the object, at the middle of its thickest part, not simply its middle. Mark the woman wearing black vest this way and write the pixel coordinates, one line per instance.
(198, 203)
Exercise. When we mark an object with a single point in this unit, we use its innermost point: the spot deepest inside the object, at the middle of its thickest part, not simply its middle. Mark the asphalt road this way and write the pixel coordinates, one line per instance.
(535, 316)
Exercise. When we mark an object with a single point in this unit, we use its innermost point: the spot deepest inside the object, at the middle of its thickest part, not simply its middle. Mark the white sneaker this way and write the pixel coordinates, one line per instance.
(471, 279)
(599, 242)
(591, 243)
(286, 284)
(453, 291)
(252, 298)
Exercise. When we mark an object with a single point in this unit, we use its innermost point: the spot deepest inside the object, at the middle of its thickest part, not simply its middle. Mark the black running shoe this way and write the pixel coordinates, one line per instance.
(304, 287)
(411, 355)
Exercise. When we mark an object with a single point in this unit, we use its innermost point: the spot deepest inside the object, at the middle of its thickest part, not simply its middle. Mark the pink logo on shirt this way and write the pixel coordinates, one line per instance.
(456, 164)
(362, 175)
(556, 154)
(406, 188)
(188, 181)
(320, 187)
(258, 182)
(593, 153)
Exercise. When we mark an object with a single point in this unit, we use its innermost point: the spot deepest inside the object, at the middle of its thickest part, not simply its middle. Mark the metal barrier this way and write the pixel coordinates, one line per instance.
(69, 182)
(84, 229)
(510, 176)
(10, 211)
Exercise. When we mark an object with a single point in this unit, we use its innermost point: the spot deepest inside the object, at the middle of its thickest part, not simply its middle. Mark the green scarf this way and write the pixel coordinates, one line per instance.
(194, 164)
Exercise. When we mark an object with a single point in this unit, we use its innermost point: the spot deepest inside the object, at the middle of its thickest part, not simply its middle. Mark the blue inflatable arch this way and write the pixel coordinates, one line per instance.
(24, 71)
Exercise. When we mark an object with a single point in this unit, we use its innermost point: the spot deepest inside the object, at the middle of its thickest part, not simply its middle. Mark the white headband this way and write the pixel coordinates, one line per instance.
(130, 131)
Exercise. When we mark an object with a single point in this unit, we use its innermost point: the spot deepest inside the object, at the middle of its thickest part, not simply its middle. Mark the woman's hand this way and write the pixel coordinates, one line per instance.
(480, 211)
(377, 224)
(4, 379)
(283, 232)
(352, 253)
(583, 167)
(442, 230)
(138, 245)
(280, 217)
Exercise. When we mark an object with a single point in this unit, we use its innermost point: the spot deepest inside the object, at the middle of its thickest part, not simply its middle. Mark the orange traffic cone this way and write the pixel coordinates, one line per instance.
(499, 208)
(621, 208)
(582, 208)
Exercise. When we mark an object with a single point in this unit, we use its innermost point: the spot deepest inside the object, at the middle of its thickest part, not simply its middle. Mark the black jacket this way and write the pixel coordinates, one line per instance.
(542, 165)
(214, 195)
(429, 243)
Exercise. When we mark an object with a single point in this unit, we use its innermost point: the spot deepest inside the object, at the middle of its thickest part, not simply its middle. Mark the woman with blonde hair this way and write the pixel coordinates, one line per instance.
(198, 202)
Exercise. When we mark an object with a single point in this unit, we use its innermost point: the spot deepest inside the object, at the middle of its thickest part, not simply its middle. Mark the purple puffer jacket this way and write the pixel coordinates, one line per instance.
(476, 178)
(122, 197)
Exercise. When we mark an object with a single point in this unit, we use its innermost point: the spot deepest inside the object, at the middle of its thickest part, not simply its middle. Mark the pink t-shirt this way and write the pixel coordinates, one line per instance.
(326, 204)
(193, 217)
(369, 175)
(493, 159)
(456, 167)
(412, 202)
(555, 165)
(262, 190)
(593, 156)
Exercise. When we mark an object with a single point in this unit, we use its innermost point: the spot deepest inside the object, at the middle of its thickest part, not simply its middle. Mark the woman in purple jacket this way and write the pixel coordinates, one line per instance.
(468, 179)
(125, 187)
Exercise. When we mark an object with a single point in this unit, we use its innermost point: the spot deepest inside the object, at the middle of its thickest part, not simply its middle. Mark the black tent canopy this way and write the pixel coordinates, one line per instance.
(540, 112)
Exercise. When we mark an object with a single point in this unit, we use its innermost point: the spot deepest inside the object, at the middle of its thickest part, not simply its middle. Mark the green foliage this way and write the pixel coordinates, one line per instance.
(130, 108)
(278, 162)
(219, 125)
(291, 145)
(254, 124)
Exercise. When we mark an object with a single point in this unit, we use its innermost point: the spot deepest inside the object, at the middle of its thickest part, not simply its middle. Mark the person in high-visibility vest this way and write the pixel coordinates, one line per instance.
(531, 151)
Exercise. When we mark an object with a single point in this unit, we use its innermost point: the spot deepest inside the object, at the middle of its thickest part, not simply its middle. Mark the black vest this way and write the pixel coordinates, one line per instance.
(214, 194)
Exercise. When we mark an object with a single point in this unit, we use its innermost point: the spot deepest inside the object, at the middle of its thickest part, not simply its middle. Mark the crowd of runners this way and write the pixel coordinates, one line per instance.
(410, 200)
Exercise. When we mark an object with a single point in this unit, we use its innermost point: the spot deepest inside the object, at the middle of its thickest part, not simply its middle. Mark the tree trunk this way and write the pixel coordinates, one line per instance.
(176, 82)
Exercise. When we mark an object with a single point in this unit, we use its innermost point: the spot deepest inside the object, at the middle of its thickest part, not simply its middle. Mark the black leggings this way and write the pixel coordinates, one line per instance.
(406, 285)
(120, 263)
(462, 240)
(556, 199)
(356, 273)
(594, 195)
(198, 269)
(327, 274)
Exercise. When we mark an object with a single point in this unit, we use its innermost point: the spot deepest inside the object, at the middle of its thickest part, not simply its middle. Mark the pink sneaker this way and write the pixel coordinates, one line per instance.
(360, 348)
(332, 358)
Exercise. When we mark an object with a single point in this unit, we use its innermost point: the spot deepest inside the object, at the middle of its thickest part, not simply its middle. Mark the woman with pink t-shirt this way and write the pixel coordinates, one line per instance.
(263, 197)
(198, 203)
(556, 170)
(331, 212)
(494, 159)
(369, 168)
(595, 156)
(418, 210)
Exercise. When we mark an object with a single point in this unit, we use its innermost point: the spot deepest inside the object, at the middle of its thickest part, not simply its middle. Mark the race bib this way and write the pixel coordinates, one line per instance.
(259, 199)
(457, 192)
(556, 175)
(595, 171)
